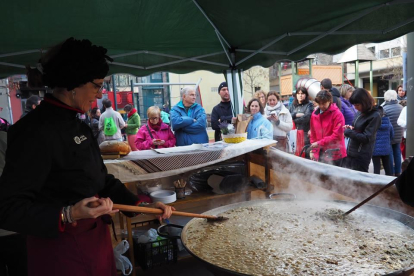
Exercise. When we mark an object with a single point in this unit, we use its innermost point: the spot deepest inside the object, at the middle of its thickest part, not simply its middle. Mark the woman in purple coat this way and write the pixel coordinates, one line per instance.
(154, 134)
(348, 110)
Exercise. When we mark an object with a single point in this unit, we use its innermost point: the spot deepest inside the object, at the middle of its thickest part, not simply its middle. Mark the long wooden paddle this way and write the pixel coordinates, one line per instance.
(156, 211)
(372, 196)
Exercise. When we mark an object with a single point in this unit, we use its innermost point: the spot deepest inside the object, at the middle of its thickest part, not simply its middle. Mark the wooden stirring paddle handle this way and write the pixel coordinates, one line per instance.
(156, 211)
(372, 196)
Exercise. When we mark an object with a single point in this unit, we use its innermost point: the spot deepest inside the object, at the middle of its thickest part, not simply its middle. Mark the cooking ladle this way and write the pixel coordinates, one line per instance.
(372, 196)
(156, 211)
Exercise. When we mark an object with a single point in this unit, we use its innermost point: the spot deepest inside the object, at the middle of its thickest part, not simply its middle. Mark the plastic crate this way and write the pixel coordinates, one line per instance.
(157, 253)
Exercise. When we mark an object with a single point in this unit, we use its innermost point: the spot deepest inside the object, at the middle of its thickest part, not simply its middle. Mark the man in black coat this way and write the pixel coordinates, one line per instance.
(221, 112)
(326, 84)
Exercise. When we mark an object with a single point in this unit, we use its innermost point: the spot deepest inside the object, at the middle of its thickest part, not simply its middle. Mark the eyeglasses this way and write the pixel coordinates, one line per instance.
(98, 86)
(154, 118)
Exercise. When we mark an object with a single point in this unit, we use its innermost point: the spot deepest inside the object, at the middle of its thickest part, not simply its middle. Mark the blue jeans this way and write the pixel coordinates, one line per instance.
(395, 158)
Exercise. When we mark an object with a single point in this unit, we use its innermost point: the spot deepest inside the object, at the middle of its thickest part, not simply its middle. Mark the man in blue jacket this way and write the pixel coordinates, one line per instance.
(188, 120)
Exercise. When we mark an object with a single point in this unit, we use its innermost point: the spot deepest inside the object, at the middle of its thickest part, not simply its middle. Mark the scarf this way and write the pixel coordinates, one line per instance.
(157, 126)
(132, 112)
(277, 108)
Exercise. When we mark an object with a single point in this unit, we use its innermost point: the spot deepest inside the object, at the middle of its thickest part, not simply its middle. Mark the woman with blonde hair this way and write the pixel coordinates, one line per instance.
(261, 96)
(348, 110)
(156, 133)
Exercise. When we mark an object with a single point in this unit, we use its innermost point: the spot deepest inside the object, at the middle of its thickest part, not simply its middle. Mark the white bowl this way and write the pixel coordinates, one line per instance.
(164, 196)
(151, 189)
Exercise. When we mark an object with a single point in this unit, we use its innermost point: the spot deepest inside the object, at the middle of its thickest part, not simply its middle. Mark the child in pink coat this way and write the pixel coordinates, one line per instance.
(154, 134)
(327, 133)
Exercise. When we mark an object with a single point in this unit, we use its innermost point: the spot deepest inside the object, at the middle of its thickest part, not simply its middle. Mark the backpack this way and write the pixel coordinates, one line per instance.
(109, 126)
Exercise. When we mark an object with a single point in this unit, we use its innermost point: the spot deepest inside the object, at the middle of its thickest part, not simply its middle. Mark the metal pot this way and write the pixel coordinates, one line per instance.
(178, 231)
(312, 85)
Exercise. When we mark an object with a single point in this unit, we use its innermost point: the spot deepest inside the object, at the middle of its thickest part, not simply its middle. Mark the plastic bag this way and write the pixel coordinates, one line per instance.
(122, 262)
(149, 236)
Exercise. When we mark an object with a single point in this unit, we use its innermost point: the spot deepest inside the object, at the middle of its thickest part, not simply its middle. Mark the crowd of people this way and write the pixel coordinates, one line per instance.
(344, 127)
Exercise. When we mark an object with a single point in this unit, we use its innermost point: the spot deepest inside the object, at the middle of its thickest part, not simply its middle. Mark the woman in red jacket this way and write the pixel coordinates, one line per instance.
(327, 133)
(154, 134)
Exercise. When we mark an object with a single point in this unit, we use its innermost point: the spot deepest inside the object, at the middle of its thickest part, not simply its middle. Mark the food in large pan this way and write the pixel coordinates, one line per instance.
(303, 238)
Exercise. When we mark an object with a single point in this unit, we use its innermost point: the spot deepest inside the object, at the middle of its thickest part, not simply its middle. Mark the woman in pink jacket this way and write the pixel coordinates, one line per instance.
(154, 134)
(327, 133)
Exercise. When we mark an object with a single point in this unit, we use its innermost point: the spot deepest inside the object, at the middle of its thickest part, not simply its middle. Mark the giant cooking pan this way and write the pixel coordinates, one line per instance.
(178, 231)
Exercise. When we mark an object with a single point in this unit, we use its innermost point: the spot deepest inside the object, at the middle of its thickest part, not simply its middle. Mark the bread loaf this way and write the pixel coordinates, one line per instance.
(114, 147)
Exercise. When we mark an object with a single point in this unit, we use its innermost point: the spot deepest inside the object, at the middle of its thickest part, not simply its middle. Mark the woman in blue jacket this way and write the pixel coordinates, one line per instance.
(382, 148)
(259, 127)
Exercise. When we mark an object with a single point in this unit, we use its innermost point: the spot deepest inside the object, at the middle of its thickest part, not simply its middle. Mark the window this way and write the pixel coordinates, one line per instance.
(156, 76)
(396, 52)
(385, 53)
(372, 49)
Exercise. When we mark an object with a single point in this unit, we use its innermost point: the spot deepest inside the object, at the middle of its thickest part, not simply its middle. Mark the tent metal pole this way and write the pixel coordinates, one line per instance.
(20, 53)
(264, 47)
(128, 65)
(114, 88)
(357, 73)
(195, 59)
(128, 54)
(224, 48)
(362, 14)
(133, 97)
(198, 84)
(393, 28)
(192, 60)
(310, 67)
(211, 23)
(410, 95)
(280, 76)
(262, 52)
(371, 78)
(12, 65)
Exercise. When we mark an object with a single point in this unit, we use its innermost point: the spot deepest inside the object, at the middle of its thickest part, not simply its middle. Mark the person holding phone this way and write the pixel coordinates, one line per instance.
(155, 134)
(280, 118)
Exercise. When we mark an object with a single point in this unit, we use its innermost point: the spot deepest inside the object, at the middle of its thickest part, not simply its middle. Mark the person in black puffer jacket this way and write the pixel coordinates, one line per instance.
(221, 112)
(363, 131)
(301, 111)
